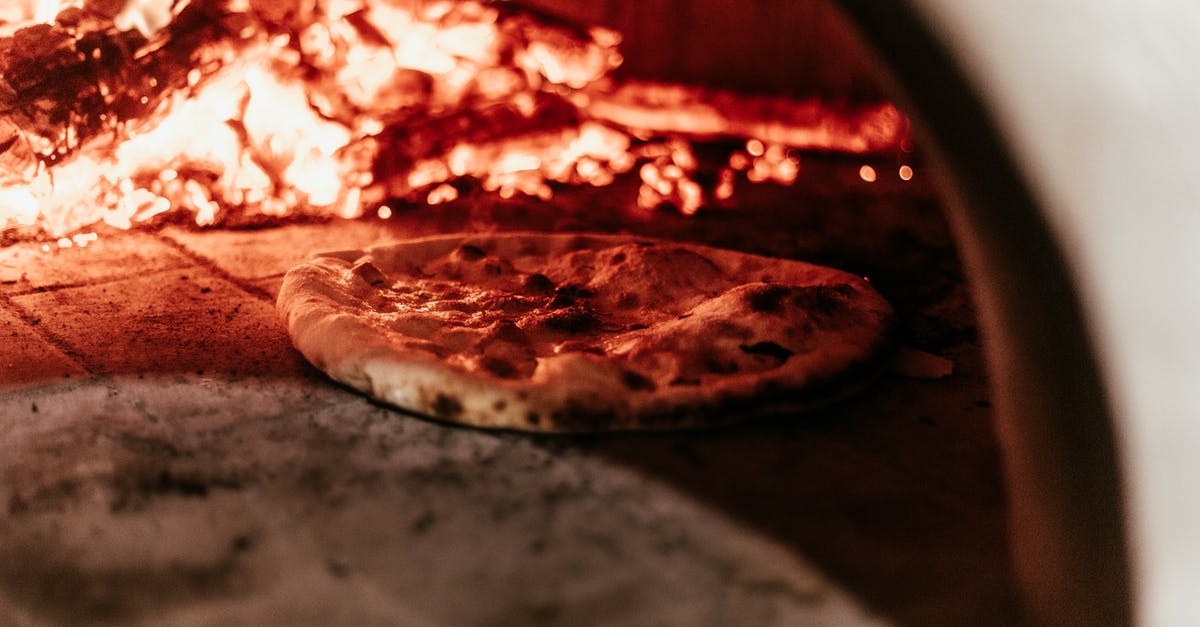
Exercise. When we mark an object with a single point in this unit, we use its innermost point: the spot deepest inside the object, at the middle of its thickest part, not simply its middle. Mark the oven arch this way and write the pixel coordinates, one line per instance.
(1096, 427)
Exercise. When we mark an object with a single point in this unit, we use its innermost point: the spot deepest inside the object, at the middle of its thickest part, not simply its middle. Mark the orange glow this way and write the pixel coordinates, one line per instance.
(254, 131)
(667, 178)
(764, 163)
(46, 10)
(867, 173)
(337, 110)
(442, 193)
(906, 173)
(725, 186)
(702, 113)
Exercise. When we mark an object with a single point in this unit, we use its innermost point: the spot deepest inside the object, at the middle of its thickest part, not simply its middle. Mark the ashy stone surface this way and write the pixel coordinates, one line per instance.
(350, 512)
(66, 445)
(181, 499)
(211, 402)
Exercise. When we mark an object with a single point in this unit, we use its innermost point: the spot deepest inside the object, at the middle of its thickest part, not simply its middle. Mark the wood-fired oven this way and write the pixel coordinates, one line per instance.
(167, 457)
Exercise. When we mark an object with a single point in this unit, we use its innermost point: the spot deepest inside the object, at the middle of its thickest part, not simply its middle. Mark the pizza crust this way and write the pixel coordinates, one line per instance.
(581, 332)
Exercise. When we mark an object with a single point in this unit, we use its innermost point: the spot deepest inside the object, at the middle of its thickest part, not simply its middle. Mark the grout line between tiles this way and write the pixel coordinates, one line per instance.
(49, 289)
(93, 370)
(34, 323)
(212, 266)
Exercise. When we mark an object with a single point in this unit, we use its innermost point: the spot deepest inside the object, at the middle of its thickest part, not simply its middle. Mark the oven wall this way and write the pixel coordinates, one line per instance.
(1097, 102)
(799, 47)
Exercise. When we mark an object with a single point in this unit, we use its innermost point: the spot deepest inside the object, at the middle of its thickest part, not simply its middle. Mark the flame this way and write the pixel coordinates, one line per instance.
(221, 107)
(46, 10)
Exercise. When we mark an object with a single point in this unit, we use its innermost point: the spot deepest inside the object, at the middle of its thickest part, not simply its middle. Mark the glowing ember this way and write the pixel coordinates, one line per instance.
(763, 163)
(667, 177)
(221, 107)
(701, 113)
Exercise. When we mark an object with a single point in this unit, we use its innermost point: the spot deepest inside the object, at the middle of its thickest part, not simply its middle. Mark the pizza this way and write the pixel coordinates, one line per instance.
(582, 332)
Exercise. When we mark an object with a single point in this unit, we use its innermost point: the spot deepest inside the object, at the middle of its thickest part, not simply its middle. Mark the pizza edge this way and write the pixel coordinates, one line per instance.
(353, 352)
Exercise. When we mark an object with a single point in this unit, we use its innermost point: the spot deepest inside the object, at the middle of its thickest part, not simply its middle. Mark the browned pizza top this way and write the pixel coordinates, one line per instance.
(605, 314)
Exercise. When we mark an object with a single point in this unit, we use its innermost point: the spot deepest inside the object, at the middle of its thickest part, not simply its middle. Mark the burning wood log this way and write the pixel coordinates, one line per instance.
(121, 111)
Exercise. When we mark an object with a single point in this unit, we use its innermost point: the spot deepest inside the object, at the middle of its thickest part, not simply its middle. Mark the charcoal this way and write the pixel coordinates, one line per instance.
(402, 146)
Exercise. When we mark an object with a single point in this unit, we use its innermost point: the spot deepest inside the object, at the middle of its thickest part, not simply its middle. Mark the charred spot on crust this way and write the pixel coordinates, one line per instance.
(568, 295)
(637, 326)
(508, 331)
(636, 381)
(627, 300)
(500, 367)
(533, 417)
(447, 406)
(578, 291)
(618, 258)
(685, 381)
(369, 273)
(769, 349)
(500, 405)
(469, 252)
(766, 298)
(538, 284)
(821, 299)
(572, 320)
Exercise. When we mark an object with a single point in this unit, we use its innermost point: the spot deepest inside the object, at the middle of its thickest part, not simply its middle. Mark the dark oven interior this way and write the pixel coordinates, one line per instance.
(166, 456)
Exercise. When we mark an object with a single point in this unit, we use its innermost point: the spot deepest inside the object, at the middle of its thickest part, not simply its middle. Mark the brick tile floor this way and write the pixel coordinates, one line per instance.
(25, 267)
(174, 321)
(254, 254)
(194, 467)
(27, 358)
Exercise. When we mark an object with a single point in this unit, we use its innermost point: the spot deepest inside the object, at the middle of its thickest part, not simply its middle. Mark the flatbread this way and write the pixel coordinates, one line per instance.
(581, 332)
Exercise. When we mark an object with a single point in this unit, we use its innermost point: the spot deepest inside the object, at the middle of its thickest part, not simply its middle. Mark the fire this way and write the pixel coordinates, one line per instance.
(331, 107)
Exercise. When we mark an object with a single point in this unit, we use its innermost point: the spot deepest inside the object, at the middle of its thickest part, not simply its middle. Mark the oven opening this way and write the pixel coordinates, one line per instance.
(168, 455)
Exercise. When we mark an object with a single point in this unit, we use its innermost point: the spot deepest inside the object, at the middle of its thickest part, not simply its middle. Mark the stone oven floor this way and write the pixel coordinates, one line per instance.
(166, 457)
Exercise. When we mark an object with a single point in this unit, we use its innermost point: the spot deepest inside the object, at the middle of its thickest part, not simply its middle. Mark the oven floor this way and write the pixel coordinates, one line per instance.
(166, 457)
